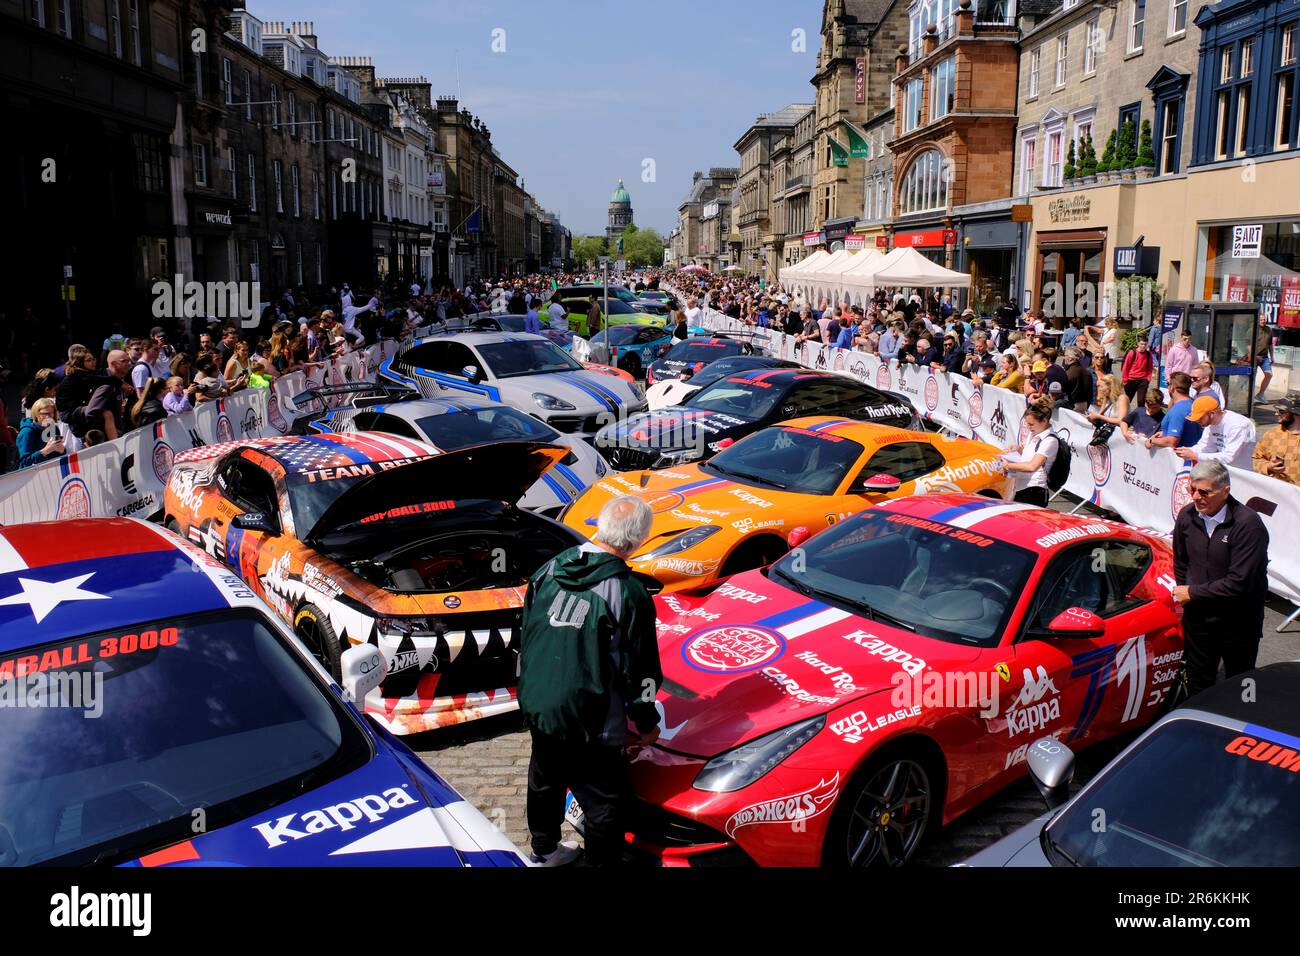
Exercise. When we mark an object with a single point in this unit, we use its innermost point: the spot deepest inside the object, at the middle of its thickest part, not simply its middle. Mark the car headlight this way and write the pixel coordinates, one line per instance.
(602, 469)
(552, 404)
(670, 459)
(738, 768)
(687, 539)
(638, 392)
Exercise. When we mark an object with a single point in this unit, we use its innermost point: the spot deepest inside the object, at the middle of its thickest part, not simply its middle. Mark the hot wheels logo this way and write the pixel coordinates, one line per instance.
(733, 649)
(810, 803)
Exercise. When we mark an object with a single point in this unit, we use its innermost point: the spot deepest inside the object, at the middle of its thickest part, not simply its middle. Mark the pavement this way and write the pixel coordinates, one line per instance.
(487, 761)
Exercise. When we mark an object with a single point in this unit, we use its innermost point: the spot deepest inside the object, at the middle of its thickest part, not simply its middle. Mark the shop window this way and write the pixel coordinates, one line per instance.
(925, 184)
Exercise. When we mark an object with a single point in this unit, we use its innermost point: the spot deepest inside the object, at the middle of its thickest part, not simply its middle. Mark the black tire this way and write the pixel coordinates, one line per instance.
(873, 827)
(313, 627)
(754, 553)
(174, 526)
(632, 365)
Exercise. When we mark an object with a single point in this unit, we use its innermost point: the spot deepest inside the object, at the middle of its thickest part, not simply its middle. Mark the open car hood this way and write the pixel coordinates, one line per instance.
(501, 471)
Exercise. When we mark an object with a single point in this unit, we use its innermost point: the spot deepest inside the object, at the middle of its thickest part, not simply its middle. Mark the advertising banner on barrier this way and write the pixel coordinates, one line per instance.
(1146, 487)
(127, 477)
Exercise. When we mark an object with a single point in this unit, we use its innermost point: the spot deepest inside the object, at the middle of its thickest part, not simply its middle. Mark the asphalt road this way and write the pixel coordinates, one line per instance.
(487, 761)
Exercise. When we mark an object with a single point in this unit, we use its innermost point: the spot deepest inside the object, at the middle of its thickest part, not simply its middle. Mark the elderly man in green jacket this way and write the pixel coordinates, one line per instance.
(589, 665)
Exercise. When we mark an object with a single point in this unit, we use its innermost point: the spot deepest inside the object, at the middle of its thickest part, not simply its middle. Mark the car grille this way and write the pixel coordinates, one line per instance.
(575, 423)
(657, 827)
(621, 458)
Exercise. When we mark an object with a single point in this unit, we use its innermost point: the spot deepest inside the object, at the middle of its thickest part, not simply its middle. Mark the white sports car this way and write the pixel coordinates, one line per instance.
(527, 372)
(450, 424)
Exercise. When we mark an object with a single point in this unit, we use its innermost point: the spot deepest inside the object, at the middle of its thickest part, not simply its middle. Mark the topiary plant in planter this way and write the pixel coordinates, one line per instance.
(1126, 150)
(1146, 157)
(1070, 171)
(1107, 165)
(1088, 164)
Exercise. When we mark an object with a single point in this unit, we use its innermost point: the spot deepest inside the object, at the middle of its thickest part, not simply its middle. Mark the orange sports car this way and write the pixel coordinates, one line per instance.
(373, 538)
(737, 511)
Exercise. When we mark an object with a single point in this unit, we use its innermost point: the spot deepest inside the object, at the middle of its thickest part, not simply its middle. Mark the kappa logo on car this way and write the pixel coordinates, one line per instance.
(912, 665)
(733, 648)
(795, 808)
(1026, 712)
(740, 594)
(746, 497)
(342, 816)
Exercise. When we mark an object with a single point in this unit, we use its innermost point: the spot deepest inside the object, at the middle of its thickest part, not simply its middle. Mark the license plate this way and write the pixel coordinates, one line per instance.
(573, 813)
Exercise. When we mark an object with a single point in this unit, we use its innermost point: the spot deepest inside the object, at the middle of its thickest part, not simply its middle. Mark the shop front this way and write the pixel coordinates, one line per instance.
(989, 251)
(834, 233)
(212, 243)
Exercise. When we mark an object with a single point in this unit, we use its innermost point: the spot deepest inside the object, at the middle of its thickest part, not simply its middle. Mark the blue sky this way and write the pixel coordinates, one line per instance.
(585, 91)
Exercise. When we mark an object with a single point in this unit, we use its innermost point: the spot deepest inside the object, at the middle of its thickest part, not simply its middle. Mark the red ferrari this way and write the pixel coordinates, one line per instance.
(889, 674)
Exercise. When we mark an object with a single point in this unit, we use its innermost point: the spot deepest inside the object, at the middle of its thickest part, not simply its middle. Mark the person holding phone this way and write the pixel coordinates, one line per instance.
(1277, 454)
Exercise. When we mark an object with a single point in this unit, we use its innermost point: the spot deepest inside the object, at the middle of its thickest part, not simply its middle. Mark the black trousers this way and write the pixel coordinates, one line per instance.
(597, 774)
(1208, 642)
(1136, 390)
(1032, 496)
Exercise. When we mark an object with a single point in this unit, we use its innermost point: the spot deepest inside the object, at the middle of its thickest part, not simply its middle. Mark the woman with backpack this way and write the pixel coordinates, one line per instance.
(1037, 456)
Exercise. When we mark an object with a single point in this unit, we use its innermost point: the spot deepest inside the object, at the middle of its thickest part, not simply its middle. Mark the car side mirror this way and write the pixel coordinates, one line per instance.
(881, 485)
(363, 670)
(1077, 622)
(255, 521)
(798, 536)
(1051, 767)
(470, 372)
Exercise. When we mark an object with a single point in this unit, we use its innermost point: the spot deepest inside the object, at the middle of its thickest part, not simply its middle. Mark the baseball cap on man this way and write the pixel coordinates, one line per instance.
(1202, 407)
(1040, 366)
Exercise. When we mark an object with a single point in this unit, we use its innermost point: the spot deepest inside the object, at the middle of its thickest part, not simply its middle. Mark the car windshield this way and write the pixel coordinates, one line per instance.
(790, 459)
(690, 352)
(737, 396)
(1191, 794)
(458, 430)
(210, 713)
(526, 357)
(926, 576)
(728, 366)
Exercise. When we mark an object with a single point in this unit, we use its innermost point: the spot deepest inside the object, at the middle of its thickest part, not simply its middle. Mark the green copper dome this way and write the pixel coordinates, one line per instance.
(620, 194)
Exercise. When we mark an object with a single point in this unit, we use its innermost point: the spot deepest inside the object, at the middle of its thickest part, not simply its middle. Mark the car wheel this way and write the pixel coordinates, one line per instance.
(885, 814)
(754, 553)
(313, 627)
(173, 526)
(632, 365)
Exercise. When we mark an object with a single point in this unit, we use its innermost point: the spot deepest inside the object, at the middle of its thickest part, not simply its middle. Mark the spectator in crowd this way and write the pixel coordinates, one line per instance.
(1221, 577)
(532, 323)
(178, 396)
(1144, 420)
(953, 360)
(1277, 454)
(1136, 372)
(1111, 405)
(1181, 356)
(40, 437)
(559, 319)
(1176, 430)
(44, 385)
(148, 407)
(209, 383)
(1226, 436)
(238, 367)
(142, 368)
(680, 329)
(1106, 344)
(1079, 381)
(694, 314)
(589, 662)
(226, 347)
(95, 436)
(890, 341)
(1040, 449)
(594, 316)
(1008, 375)
(1203, 383)
(1070, 334)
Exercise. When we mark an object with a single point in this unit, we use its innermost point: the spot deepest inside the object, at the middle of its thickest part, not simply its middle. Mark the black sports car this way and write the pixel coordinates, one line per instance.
(693, 354)
(732, 407)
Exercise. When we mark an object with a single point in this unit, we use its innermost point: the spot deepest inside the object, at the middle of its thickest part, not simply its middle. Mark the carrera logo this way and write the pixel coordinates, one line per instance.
(975, 404)
(342, 816)
(810, 803)
(1099, 457)
(733, 649)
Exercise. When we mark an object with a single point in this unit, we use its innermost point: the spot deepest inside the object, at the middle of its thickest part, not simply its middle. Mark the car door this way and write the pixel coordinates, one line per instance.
(1100, 683)
(249, 490)
(905, 460)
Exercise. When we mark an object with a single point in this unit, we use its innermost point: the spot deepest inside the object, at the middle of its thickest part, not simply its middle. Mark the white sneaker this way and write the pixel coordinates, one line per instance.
(564, 854)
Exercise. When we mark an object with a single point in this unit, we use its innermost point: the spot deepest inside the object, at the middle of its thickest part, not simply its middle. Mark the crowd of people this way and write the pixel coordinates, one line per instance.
(1055, 364)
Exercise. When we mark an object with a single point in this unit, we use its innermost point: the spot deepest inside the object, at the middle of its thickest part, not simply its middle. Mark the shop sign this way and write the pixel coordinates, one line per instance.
(1171, 319)
(1246, 241)
(812, 238)
(1022, 212)
(1137, 261)
(950, 237)
(860, 80)
(1238, 289)
(855, 242)
(1270, 298)
(930, 237)
(1290, 312)
(882, 242)
(1073, 209)
(836, 233)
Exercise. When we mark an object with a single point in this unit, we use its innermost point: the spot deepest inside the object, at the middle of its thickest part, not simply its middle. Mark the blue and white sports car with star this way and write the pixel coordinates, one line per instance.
(218, 739)
(527, 372)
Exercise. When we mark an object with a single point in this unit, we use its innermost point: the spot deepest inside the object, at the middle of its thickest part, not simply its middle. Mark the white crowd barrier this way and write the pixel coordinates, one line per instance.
(1146, 487)
(127, 476)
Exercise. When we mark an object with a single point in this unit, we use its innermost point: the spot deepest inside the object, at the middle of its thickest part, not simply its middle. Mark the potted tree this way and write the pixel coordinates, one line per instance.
(1106, 168)
(1071, 172)
(1126, 151)
(1146, 156)
(1088, 165)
